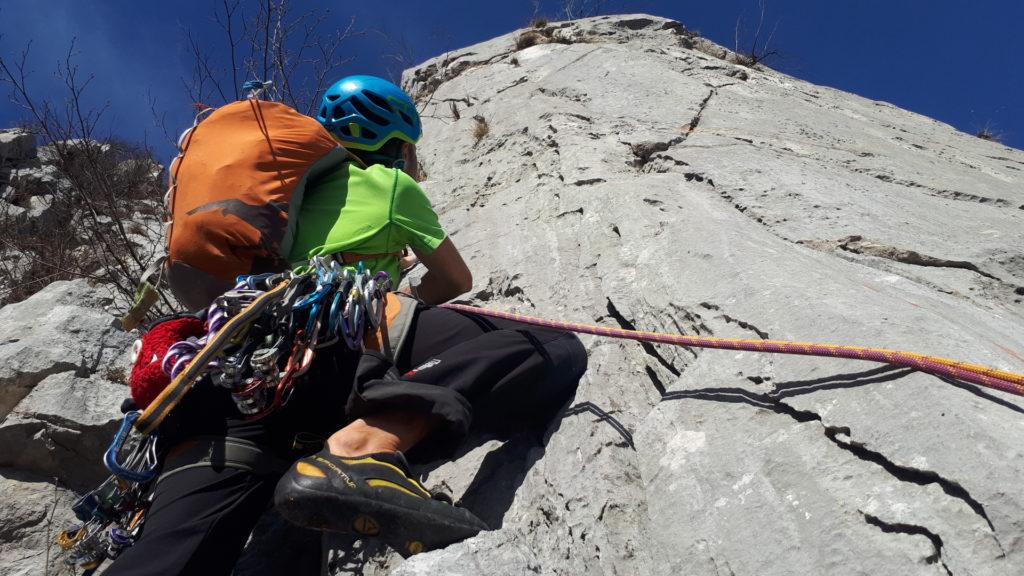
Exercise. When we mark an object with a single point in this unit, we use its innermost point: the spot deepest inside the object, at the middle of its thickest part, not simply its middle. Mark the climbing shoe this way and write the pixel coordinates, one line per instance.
(372, 495)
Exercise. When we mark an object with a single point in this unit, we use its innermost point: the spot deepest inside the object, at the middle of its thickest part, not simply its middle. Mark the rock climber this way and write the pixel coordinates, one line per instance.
(455, 372)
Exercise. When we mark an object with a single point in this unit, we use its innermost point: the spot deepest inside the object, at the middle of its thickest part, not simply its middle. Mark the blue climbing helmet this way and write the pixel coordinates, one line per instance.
(364, 112)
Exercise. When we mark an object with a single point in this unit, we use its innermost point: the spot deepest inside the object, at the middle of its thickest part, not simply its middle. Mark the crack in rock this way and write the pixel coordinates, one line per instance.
(857, 245)
(692, 176)
(519, 81)
(840, 436)
(913, 530)
(695, 121)
(429, 78)
(467, 101)
(745, 325)
(655, 380)
(547, 115)
(947, 194)
(647, 346)
(644, 152)
(746, 211)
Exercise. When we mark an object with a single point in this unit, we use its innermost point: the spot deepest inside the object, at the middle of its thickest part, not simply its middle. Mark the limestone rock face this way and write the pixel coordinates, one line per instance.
(62, 328)
(32, 511)
(63, 427)
(631, 174)
(59, 351)
(16, 145)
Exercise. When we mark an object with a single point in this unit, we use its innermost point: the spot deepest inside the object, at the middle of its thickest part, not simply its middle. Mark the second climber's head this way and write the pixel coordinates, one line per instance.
(370, 114)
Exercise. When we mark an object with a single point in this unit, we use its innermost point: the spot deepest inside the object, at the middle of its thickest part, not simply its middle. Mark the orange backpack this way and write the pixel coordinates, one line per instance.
(236, 186)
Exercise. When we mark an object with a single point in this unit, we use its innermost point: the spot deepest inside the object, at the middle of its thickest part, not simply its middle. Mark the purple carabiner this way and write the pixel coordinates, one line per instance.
(184, 350)
(180, 365)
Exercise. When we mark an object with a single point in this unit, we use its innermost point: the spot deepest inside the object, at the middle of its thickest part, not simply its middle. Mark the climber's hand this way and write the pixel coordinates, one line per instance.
(405, 263)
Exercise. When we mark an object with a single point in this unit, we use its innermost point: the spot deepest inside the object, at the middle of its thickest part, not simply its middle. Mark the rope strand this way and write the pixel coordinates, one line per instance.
(981, 375)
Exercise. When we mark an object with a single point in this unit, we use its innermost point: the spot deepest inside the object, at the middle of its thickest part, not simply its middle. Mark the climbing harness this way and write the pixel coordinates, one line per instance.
(983, 376)
(260, 337)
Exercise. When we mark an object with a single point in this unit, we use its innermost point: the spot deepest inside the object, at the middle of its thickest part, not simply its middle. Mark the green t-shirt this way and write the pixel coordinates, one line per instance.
(378, 210)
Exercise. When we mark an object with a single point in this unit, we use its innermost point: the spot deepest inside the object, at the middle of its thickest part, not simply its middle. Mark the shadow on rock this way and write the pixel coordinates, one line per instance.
(836, 381)
(278, 547)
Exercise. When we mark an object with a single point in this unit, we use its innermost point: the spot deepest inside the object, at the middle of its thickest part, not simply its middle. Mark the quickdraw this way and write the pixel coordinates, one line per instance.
(110, 516)
(261, 336)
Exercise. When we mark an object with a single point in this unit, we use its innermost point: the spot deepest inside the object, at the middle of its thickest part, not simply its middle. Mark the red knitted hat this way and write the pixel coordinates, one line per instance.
(147, 379)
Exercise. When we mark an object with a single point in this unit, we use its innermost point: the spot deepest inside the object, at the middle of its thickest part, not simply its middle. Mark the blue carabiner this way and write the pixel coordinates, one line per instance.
(334, 314)
(314, 313)
(110, 456)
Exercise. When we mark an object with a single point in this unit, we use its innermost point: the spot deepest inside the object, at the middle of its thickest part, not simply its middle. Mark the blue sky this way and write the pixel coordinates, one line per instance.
(955, 60)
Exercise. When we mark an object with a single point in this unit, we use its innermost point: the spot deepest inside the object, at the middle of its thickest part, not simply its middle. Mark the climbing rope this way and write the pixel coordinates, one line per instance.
(989, 377)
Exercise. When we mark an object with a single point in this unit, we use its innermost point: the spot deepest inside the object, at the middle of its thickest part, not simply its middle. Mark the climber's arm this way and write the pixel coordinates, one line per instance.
(447, 274)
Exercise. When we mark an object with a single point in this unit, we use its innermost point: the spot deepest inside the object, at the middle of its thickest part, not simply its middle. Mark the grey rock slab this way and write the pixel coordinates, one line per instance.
(59, 329)
(36, 176)
(39, 207)
(12, 211)
(16, 145)
(757, 493)
(62, 428)
(32, 511)
(633, 180)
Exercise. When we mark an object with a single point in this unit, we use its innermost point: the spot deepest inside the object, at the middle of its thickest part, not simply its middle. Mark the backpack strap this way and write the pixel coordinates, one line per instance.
(390, 336)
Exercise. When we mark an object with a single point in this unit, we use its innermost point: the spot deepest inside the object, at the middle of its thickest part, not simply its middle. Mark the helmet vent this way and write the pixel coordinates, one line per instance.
(332, 97)
(337, 113)
(366, 113)
(376, 99)
(405, 117)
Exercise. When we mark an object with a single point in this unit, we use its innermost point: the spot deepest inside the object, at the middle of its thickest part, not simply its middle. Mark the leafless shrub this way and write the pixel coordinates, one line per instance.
(77, 218)
(103, 208)
(480, 129)
(990, 133)
(531, 38)
(267, 41)
(758, 50)
(537, 20)
(576, 9)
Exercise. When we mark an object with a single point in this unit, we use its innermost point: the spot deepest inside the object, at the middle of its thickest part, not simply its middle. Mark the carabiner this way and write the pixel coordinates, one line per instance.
(252, 280)
(110, 457)
(352, 320)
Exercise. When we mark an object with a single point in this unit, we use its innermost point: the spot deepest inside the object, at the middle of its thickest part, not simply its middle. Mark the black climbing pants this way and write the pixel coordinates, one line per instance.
(470, 372)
